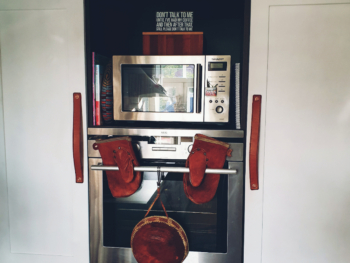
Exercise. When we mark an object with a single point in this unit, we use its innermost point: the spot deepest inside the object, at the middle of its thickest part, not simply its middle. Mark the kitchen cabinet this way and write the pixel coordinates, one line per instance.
(43, 212)
(300, 64)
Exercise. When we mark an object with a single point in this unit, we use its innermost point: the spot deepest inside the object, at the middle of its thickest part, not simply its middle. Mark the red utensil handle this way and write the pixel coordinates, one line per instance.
(254, 143)
(78, 138)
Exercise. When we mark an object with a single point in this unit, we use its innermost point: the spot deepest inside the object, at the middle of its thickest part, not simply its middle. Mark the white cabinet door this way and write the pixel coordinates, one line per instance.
(300, 64)
(43, 212)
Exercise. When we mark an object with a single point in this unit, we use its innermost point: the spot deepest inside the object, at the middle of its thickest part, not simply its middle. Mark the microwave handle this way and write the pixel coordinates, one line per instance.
(199, 89)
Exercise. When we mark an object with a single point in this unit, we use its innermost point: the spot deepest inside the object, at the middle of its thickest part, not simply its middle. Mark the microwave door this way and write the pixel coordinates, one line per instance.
(158, 88)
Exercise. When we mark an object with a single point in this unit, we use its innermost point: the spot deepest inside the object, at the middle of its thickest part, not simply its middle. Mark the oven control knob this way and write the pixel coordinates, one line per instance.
(189, 148)
(219, 109)
(138, 147)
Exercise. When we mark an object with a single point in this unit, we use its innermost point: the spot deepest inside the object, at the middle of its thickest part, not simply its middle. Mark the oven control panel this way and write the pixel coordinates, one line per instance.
(217, 88)
(168, 148)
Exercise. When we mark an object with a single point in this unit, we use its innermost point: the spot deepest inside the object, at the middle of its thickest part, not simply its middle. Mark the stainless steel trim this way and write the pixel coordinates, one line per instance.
(165, 132)
(102, 254)
(153, 116)
(163, 169)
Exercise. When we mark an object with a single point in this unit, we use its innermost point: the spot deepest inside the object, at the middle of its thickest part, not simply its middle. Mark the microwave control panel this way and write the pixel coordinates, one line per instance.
(217, 88)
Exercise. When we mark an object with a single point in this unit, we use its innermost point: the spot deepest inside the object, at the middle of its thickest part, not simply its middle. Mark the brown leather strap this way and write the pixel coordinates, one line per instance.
(158, 194)
(78, 138)
(254, 143)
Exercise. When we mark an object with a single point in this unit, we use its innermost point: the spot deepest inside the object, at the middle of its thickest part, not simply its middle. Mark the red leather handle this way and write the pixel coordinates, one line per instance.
(254, 143)
(78, 138)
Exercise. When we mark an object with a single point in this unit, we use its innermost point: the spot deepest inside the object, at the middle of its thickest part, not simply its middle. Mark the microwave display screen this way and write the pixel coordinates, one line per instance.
(217, 66)
(157, 88)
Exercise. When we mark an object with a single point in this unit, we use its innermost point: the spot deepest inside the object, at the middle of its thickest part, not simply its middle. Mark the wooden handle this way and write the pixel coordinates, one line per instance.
(254, 143)
(78, 138)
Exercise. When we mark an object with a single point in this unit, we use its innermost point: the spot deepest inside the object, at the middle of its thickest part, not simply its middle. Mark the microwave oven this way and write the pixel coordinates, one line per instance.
(171, 88)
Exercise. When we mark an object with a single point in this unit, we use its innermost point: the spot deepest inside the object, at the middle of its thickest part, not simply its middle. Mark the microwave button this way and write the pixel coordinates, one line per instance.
(219, 109)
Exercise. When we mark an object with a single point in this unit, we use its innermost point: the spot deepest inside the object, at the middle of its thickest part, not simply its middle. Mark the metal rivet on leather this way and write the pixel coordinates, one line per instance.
(192, 152)
(114, 151)
(204, 153)
(119, 148)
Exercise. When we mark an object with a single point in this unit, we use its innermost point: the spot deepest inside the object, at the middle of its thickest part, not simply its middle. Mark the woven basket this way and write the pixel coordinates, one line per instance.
(159, 239)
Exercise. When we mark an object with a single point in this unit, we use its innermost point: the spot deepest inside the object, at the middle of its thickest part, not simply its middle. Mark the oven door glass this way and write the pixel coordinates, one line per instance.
(157, 88)
(205, 225)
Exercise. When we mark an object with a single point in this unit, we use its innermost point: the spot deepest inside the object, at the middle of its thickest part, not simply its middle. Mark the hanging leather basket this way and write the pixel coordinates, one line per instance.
(159, 239)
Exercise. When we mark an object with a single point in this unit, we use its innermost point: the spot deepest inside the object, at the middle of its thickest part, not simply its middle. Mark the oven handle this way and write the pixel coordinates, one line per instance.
(254, 143)
(199, 89)
(164, 169)
(78, 157)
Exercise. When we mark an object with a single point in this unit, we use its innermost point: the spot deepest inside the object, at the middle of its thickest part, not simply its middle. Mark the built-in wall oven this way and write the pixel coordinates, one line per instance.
(172, 88)
(214, 229)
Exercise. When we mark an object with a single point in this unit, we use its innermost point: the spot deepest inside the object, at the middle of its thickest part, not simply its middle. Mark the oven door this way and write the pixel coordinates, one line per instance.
(214, 229)
(158, 88)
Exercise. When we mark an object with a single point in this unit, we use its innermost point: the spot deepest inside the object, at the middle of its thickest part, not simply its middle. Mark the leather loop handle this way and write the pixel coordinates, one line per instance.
(254, 143)
(154, 201)
(78, 138)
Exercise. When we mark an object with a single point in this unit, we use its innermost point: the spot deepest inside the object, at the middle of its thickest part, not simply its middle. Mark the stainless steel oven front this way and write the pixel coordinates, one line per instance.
(171, 88)
(214, 229)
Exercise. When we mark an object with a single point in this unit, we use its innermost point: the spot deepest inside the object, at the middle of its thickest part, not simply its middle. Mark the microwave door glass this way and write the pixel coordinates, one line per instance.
(157, 88)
